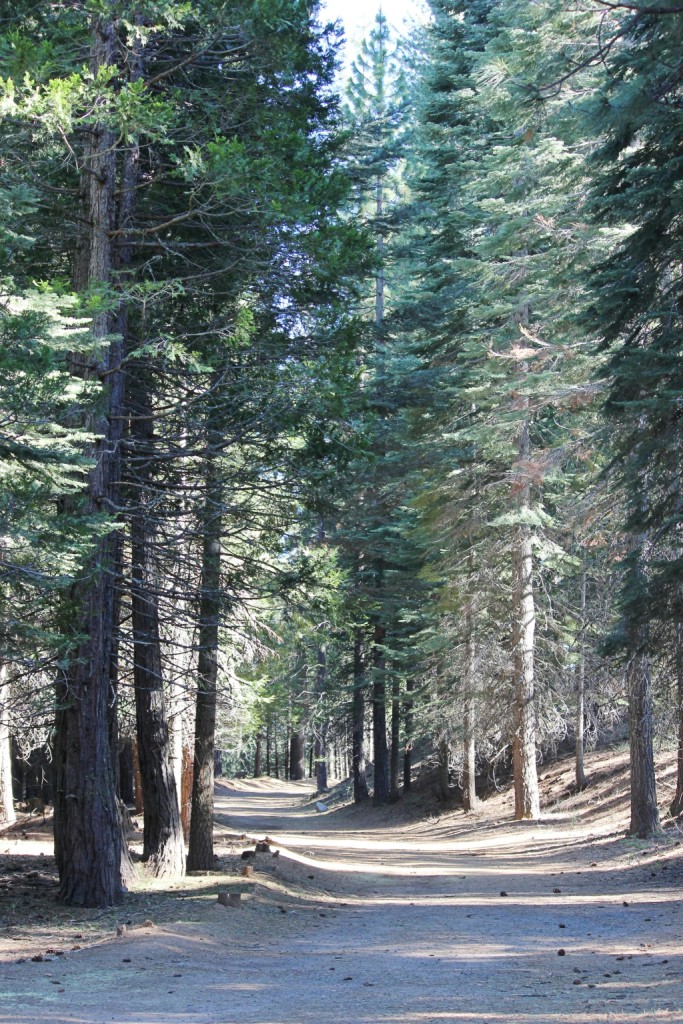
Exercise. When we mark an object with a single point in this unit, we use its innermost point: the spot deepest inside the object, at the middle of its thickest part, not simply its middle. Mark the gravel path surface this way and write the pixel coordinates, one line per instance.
(464, 922)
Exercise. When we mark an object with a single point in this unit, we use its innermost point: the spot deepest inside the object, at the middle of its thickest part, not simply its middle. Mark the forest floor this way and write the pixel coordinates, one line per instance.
(370, 917)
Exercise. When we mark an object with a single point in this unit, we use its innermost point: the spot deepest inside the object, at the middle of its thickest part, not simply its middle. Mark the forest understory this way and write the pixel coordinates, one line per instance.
(393, 914)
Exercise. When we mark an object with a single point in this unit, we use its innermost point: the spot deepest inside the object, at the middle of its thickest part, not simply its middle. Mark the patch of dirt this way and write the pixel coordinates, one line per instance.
(376, 916)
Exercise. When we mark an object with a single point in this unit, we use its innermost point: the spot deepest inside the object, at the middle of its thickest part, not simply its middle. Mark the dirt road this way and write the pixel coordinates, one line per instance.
(464, 922)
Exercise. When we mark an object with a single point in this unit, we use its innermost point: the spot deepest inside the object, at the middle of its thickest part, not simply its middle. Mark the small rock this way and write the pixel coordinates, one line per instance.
(38, 959)
(148, 924)
(557, 890)
(562, 926)
(121, 930)
(502, 892)
(230, 899)
(625, 903)
(276, 853)
(562, 952)
(321, 807)
(247, 871)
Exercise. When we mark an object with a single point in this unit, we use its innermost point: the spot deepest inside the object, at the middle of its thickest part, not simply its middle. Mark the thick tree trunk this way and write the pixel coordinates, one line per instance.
(469, 776)
(644, 811)
(200, 855)
(297, 756)
(527, 801)
(380, 794)
(7, 815)
(89, 846)
(395, 754)
(360, 783)
(676, 807)
(580, 773)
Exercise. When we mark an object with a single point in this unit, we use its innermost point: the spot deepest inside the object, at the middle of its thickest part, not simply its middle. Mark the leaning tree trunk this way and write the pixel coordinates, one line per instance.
(7, 815)
(200, 854)
(89, 846)
(644, 811)
(527, 801)
(380, 794)
(360, 783)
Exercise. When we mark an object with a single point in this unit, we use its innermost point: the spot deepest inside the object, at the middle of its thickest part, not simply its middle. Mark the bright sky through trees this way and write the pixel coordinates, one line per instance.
(358, 16)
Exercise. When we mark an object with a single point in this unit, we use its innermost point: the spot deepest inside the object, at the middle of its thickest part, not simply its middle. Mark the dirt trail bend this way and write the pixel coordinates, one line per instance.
(470, 922)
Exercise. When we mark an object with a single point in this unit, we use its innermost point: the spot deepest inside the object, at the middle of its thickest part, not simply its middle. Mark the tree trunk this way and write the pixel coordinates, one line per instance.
(7, 815)
(258, 756)
(644, 811)
(323, 729)
(527, 801)
(321, 778)
(163, 846)
(89, 844)
(444, 783)
(269, 732)
(580, 774)
(360, 783)
(137, 779)
(380, 793)
(186, 791)
(408, 719)
(676, 807)
(297, 756)
(395, 755)
(126, 772)
(469, 773)
(276, 750)
(175, 724)
(200, 855)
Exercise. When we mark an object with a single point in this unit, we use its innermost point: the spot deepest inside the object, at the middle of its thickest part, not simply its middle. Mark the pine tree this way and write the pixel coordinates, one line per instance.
(636, 310)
